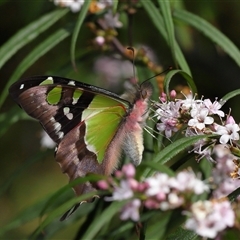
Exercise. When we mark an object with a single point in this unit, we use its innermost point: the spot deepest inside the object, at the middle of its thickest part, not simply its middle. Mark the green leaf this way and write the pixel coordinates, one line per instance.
(210, 31)
(181, 233)
(33, 159)
(157, 167)
(188, 78)
(167, 17)
(77, 28)
(28, 33)
(115, 6)
(66, 188)
(231, 95)
(174, 149)
(25, 216)
(120, 229)
(233, 195)
(32, 57)
(58, 211)
(156, 223)
(158, 21)
(103, 218)
(8, 118)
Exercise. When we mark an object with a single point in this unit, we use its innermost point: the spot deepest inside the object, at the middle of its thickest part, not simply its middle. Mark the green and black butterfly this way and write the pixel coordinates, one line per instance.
(90, 125)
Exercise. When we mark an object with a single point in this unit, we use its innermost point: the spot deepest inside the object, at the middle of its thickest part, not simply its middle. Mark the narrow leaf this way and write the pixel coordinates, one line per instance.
(28, 33)
(25, 216)
(158, 167)
(187, 77)
(24, 167)
(58, 211)
(77, 28)
(181, 233)
(210, 31)
(115, 6)
(234, 195)
(103, 218)
(174, 149)
(8, 118)
(157, 20)
(231, 95)
(167, 17)
(32, 57)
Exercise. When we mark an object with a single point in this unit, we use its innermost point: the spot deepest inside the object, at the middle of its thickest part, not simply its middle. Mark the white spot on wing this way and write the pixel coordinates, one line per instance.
(21, 86)
(57, 126)
(74, 101)
(91, 148)
(50, 79)
(60, 135)
(72, 83)
(52, 119)
(69, 116)
(66, 110)
(67, 113)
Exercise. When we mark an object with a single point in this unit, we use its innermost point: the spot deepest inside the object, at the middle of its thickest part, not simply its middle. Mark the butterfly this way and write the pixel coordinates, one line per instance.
(90, 125)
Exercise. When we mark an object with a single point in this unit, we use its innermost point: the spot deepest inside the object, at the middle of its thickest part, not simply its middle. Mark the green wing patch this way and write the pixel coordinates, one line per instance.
(102, 118)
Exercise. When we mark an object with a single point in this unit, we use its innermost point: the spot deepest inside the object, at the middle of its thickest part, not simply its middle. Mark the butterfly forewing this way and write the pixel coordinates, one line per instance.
(58, 103)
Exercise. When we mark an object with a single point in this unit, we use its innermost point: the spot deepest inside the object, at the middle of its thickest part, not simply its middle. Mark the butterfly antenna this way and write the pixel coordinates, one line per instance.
(168, 69)
(133, 61)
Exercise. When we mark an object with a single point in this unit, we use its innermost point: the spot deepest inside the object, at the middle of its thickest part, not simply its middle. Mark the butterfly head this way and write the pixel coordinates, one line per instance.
(135, 92)
(145, 90)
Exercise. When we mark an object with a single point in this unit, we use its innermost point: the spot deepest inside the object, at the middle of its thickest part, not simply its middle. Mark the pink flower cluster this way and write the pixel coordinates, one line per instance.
(208, 218)
(198, 117)
(157, 192)
(224, 169)
(162, 192)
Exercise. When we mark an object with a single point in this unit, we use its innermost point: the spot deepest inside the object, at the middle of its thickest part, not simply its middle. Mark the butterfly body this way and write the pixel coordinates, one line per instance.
(90, 125)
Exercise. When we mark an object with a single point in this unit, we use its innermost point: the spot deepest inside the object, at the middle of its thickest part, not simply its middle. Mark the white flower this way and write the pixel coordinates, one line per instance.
(168, 110)
(131, 210)
(227, 132)
(189, 102)
(203, 151)
(112, 20)
(168, 114)
(174, 200)
(213, 107)
(221, 173)
(209, 218)
(157, 184)
(121, 192)
(187, 181)
(102, 4)
(100, 40)
(200, 118)
(74, 5)
(168, 126)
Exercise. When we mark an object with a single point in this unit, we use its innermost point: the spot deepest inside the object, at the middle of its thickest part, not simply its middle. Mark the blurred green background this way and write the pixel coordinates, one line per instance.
(213, 71)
